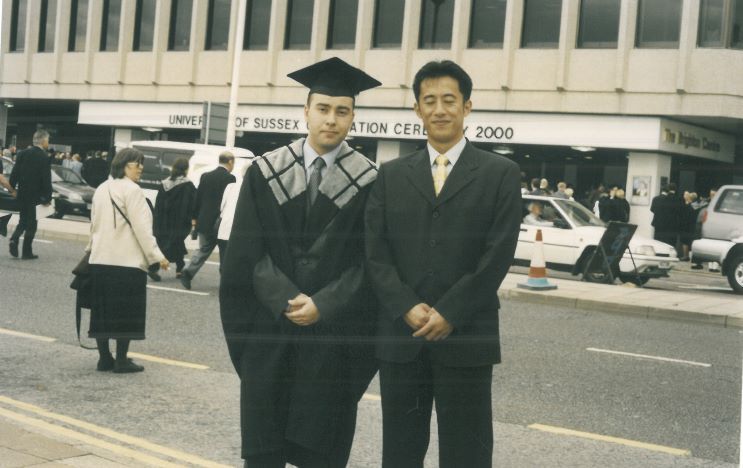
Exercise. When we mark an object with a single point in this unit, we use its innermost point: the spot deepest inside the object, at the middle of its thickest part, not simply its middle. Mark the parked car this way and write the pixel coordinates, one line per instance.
(571, 233)
(159, 157)
(722, 235)
(70, 193)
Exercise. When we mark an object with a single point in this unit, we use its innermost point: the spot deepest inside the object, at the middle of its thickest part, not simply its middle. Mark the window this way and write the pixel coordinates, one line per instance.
(437, 18)
(257, 21)
(78, 25)
(47, 21)
(487, 23)
(658, 24)
(179, 34)
(720, 24)
(388, 19)
(299, 24)
(144, 26)
(18, 25)
(218, 25)
(599, 24)
(342, 24)
(110, 25)
(731, 202)
(541, 24)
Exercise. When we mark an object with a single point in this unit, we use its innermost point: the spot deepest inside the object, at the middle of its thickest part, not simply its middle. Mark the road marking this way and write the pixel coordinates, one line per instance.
(615, 440)
(185, 291)
(170, 362)
(212, 263)
(42, 241)
(645, 356)
(187, 458)
(706, 288)
(27, 335)
(371, 396)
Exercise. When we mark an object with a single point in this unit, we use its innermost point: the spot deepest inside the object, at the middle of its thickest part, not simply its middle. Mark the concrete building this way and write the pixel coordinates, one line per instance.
(626, 92)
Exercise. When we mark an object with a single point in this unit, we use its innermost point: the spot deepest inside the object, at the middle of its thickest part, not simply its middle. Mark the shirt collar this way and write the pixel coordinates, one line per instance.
(310, 155)
(452, 155)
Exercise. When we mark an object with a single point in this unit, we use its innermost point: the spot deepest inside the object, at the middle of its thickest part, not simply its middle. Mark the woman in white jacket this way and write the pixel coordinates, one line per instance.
(121, 248)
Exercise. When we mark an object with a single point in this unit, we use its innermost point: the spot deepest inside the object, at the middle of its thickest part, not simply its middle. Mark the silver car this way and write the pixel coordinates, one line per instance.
(722, 235)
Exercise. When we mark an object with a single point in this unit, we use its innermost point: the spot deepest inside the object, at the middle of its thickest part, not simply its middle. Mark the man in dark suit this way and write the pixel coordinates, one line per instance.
(32, 176)
(441, 230)
(208, 200)
(666, 209)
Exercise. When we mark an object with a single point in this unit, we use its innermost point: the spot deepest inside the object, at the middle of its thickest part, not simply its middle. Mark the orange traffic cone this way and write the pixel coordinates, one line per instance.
(537, 280)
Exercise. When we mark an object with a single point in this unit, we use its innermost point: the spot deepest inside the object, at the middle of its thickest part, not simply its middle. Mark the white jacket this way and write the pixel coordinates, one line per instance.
(112, 240)
(229, 203)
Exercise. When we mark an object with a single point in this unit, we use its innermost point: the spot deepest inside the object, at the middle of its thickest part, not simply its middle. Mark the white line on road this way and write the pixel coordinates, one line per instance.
(372, 397)
(190, 459)
(655, 358)
(170, 362)
(42, 241)
(27, 335)
(212, 263)
(615, 440)
(185, 291)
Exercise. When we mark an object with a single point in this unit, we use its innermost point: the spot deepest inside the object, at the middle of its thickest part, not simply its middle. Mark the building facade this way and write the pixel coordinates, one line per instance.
(628, 92)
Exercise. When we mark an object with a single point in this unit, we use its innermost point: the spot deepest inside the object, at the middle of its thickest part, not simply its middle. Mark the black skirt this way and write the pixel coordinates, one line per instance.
(119, 302)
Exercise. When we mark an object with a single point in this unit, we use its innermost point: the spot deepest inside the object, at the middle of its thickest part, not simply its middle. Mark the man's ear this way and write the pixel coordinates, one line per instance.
(467, 107)
(417, 110)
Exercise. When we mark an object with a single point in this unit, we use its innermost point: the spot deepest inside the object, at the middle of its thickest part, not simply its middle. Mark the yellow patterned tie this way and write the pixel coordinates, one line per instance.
(440, 175)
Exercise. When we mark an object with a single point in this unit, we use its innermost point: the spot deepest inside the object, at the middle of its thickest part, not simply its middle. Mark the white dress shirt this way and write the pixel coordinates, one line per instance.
(452, 155)
(310, 155)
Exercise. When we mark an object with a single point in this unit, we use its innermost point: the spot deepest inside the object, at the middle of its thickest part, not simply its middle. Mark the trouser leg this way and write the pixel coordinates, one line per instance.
(464, 415)
(266, 460)
(222, 247)
(103, 349)
(28, 237)
(23, 218)
(407, 398)
(122, 348)
(206, 246)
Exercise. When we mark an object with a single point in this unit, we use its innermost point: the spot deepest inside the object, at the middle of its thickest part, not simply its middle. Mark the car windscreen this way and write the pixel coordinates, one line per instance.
(731, 202)
(578, 214)
(62, 174)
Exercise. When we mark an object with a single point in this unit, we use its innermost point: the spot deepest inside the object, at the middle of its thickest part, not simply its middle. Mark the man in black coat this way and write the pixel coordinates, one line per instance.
(442, 226)
(32, 177)
(666, 209)
(206, 211)
(95, 169)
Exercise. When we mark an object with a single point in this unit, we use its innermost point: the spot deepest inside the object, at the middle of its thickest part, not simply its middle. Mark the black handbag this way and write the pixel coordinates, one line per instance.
(83, 284)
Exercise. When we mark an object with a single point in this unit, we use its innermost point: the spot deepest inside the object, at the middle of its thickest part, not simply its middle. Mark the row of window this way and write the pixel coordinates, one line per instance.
(658, 24)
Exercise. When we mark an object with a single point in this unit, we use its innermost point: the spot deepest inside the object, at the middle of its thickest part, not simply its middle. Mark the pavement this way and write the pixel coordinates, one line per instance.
(29, 442)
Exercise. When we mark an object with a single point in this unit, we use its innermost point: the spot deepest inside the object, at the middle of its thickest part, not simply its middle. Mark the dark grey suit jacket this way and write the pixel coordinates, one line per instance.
(32, 176)
(450, 252)
(209, 198)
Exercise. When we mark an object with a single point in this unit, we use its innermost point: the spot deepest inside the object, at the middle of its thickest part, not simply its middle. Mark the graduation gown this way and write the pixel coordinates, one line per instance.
(174, 209)
(299, 383)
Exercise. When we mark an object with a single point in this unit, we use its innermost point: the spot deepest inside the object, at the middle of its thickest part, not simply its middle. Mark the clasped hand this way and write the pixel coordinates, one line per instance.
(428, 323)
(302, 311)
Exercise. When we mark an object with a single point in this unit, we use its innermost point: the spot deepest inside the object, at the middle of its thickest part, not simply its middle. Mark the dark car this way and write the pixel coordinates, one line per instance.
(72, 195)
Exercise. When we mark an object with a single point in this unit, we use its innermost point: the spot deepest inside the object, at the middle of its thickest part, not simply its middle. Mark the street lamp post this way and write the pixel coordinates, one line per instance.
(235, 83)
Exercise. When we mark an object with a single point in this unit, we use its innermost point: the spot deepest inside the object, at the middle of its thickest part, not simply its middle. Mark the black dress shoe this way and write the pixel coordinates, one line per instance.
(29, 257)
(186, 280)
(127, 367)
(105, 364)
(13, 247)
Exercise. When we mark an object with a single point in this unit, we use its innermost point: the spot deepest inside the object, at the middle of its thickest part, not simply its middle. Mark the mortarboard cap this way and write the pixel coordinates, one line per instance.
(334, 77)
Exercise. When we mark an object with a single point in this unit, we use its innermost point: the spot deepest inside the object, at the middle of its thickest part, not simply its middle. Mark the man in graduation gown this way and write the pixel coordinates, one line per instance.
(296, 310)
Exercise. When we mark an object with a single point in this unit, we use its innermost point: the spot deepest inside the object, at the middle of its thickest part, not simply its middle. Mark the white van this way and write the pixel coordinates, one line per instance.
(160, 155)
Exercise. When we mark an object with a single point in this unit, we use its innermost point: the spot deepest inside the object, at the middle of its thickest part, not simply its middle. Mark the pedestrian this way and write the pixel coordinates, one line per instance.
(227, 210)
(174, 210)
(5, 216)
(560, 193)
(95, 170)
(441, 230)
(536, 187)
(122, 248)
(569, 193)
(208, 199)
(687, 224)
(619, 207)
(32, 177)
(666, 209)
(296, 309)
(76, 164)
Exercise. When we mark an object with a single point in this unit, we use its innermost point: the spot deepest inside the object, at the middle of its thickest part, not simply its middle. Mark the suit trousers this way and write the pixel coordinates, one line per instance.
(463, 409)
(26, 224)
(207, 243)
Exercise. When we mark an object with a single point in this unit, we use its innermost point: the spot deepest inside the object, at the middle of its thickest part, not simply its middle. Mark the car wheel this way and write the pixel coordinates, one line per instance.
(639, 281)
(735, 273)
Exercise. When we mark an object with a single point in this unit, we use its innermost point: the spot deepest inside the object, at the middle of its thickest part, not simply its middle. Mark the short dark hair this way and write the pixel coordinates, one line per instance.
(122, 158)
(180, 168)
(435, 69)
(226, 157)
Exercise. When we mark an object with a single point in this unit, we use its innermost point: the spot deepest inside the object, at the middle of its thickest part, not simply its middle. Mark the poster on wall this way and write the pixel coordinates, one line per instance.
(640, 190)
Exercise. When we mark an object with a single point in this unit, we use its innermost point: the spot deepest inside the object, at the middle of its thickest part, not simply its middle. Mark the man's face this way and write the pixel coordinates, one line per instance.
(45, 144)
(329, 119)
(442, 109)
